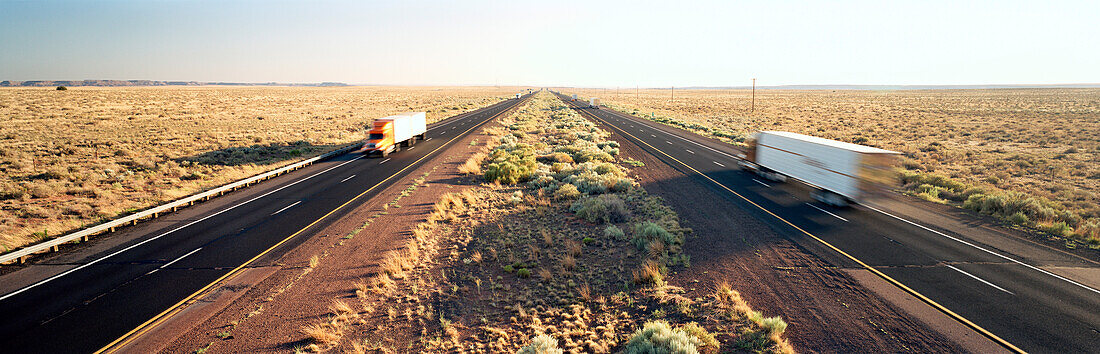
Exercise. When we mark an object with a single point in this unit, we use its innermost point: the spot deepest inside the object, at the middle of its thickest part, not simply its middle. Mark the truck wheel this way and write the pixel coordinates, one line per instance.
(775, 176)
(412, 141)
(830, 198)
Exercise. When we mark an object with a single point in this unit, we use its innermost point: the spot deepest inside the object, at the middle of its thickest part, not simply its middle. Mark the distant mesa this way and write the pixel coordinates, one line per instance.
(114, 83)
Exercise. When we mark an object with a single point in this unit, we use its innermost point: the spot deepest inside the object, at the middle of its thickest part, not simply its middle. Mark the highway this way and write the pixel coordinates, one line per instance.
(80, 302)
(1004, 285)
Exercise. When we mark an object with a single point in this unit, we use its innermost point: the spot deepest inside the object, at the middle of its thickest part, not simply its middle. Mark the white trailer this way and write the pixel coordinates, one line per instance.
(409, 125)
(389, 134)
(574, 97)
(594, 102)
(841, 172)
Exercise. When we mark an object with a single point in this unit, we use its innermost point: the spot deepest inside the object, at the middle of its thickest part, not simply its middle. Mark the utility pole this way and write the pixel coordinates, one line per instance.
(752, 108)
(674, 93)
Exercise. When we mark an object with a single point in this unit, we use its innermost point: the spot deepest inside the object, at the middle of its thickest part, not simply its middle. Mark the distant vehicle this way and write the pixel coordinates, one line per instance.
(517, 95)
(389, 134)
(594, 103)
(574, 97)
(842, 173)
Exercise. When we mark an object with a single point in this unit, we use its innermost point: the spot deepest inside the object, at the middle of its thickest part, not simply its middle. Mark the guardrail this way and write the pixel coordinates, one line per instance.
(22, 254)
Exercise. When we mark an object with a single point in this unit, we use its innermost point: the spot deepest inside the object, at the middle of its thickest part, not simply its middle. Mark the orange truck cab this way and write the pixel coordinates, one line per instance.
(389, 134)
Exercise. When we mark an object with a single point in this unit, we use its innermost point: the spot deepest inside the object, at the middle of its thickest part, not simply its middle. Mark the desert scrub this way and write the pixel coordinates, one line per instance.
(649, 235)
(660, 337)
(1016, 208)
(93, 153)
(510, 163)
(542, 344)
(605, 208)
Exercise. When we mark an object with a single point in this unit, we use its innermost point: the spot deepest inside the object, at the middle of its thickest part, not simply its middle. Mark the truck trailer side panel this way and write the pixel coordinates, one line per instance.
(407, 125)
(834, 166)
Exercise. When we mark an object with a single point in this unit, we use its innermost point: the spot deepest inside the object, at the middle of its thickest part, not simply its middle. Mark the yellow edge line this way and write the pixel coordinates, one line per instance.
(896, 283)
(156, 320)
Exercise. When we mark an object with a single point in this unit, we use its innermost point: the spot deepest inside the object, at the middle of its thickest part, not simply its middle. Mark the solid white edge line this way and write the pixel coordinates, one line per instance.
(85, 265)
(287, 207)
(173, 261)
(1040, 270)
(827, 212)
(979, 279)
(762, 183)
(180, 257)
(346, 179)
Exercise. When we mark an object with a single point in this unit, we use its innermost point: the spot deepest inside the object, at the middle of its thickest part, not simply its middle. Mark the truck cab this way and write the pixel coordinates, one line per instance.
(380, 138)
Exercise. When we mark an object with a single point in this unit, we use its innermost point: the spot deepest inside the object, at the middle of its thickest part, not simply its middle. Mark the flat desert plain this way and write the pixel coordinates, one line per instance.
(74, 158)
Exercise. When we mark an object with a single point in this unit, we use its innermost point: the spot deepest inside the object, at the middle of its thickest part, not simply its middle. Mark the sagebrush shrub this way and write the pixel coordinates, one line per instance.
(647, 232)
(613, 232)
(660, 337)
(566, 191)
(542, 344)
(510, 164)
(603, 208)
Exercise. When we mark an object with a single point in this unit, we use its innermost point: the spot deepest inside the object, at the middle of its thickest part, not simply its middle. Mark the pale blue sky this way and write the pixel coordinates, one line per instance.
(568, 43)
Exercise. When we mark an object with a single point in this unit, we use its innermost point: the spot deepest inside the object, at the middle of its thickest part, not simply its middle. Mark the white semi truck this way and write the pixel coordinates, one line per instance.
(389, 134)
(841, 173)
(594, 103)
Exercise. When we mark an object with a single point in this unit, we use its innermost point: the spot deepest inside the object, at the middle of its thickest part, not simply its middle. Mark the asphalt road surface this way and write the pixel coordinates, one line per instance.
(1001, 284)
(80, 305)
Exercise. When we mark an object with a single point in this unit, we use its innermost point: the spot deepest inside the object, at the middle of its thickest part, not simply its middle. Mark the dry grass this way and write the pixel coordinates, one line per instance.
(362, 289)
(573, 247)
(323, 333)
(649, 273)
(585, 292)
(1041, 142)
(394, 265)
(472, 166)
(568, 262)
(73, 158)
